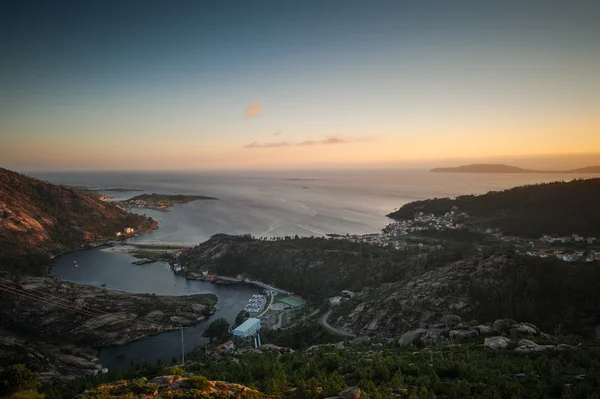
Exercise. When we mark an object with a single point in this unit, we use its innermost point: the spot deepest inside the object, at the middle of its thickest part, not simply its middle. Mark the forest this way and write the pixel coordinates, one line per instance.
(558, 208)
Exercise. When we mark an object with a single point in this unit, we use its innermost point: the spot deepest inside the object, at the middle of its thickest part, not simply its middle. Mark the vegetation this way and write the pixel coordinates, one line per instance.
(314, 268)
(558, 208)
(164, 200)
(217, 330)
(381, 371)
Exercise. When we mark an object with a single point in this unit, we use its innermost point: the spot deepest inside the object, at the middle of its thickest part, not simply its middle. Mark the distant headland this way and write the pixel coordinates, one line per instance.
(500, 168)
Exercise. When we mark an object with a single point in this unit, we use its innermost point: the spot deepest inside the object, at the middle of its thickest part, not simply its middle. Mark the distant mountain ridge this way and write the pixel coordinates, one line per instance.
(500, 168)
(39, 219)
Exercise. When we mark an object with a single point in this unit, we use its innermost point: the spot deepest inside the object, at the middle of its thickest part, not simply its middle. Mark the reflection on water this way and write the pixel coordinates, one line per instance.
(97, 267)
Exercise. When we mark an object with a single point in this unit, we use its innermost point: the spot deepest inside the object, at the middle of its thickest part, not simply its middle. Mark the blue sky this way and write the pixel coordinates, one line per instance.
(362, 82)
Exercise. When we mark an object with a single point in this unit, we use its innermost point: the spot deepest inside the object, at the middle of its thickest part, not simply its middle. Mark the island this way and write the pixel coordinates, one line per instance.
(161, 202)
(500, 168)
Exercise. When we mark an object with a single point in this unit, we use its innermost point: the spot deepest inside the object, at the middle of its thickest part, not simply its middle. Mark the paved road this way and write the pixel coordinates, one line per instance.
(271, 296)
(333, 329)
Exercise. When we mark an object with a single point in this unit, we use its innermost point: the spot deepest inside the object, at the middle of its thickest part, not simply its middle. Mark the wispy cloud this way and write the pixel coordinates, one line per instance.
(279, 133)
(256, 144)
(329, 140)
(254, 109)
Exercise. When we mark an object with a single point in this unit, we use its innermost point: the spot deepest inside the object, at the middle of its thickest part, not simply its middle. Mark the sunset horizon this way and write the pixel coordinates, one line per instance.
(208, 86)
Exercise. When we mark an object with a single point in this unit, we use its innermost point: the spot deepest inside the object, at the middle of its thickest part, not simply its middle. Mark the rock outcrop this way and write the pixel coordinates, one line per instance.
(39, 220)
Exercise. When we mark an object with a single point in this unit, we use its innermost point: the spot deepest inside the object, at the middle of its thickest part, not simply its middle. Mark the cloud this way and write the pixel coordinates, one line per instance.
(277, 133)
(256, 144)
(254, 109)
(329, 140)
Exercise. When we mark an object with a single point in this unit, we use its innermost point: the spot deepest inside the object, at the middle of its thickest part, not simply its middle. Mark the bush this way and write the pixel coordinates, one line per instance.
(200, 382)
(17, 377)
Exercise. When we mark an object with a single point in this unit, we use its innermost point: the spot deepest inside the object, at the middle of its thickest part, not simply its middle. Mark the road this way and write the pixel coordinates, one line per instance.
(333, 329)
(271, 298)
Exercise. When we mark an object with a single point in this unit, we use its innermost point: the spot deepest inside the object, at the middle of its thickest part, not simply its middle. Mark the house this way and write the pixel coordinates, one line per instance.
(591, 240)
(119, 234)
(335, 300)
(129, 230)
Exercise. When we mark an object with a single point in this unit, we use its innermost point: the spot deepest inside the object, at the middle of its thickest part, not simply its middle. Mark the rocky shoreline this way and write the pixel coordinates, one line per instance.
(57, 323)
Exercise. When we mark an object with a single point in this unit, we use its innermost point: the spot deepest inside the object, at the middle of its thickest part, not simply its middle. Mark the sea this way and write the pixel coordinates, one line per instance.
(304, 203)
(269, 204)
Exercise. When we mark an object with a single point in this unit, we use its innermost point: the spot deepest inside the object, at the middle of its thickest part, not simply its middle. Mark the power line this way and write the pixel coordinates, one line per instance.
(45, 294)
(35, 298)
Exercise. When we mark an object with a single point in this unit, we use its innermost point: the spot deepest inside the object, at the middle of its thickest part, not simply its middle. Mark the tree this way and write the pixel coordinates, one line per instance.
(241, 317)
(218, 329)
(17, 378)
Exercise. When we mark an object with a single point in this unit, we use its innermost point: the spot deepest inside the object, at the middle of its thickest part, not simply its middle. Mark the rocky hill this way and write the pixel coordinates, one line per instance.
(479, 287)
(559, 208)
(39, 220)
(314, 268)
(400, 290)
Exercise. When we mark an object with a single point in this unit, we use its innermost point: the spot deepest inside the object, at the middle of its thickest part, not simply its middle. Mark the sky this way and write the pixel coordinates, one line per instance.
(105, 85)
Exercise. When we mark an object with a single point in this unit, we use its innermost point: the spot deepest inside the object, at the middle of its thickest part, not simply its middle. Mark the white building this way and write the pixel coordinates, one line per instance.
(247, 328)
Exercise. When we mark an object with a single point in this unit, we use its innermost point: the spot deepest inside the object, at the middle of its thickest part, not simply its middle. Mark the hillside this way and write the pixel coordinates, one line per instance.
(39, 220)
(484, 168)
(500, 168)
(559, 208)
(400, 290)
(314, 268)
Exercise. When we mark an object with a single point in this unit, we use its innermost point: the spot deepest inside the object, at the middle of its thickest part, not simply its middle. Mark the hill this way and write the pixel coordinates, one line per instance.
(500, 168)
(484, 168)
(560, 208)
(589, 169)
(400, 290)
(39, 220)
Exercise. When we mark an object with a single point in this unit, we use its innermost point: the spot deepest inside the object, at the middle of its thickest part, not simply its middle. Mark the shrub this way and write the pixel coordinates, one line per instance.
(200, 382)
(17, 377)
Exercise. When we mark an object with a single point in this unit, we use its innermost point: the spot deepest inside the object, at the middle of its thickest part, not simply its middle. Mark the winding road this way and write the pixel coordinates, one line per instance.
(333, 329)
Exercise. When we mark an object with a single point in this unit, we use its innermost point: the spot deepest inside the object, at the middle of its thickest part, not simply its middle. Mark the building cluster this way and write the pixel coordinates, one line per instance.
(139, 203)
(421, 222)
(255, 304)
(128, 230)
(575, 256)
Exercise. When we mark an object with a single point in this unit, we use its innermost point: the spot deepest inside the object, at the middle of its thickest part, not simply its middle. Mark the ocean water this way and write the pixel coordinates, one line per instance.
(288, 203)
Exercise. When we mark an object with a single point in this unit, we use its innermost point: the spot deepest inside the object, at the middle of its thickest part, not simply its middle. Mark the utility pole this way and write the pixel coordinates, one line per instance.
(182, 350)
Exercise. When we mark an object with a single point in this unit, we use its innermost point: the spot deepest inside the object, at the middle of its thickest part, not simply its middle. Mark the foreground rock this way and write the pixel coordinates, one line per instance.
(172, 386)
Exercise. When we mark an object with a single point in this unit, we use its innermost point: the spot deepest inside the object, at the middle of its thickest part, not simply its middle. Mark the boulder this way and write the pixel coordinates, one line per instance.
(350, 393)
(451, 320)
(412, 337)
(463, 335)
(526, 345)
(522, 329)
(502, 325)
(432, 337)
(360, 341)
(484, 330)
(496, 342)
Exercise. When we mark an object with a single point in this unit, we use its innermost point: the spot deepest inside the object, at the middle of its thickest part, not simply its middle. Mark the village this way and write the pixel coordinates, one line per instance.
(573, 248)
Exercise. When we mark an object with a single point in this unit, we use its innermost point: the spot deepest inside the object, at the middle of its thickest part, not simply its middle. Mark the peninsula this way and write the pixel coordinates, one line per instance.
(500, 168)
(161, 202)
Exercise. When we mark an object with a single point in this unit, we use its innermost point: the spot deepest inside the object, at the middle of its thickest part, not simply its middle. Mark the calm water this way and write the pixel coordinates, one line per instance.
(267, 204)
(272, 205)
(97, 267)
